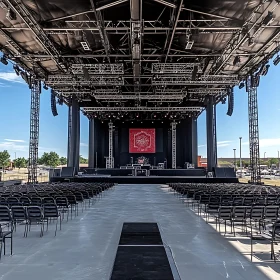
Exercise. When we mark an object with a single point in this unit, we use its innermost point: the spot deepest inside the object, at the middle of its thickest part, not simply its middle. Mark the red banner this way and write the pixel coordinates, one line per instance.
(142, 140)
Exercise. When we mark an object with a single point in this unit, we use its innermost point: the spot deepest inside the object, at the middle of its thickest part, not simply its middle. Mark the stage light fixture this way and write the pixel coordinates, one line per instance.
(86, 74)
(276, 60)
(11, 15)
(251, 42)
(269, 18)
(194, 72)
(241, 85)
(4, 60)
(17, 70)
(236, 60)
(24, 75)
(264, 70)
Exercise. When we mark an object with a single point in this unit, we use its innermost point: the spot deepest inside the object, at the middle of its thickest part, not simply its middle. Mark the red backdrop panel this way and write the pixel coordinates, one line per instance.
(142, 140)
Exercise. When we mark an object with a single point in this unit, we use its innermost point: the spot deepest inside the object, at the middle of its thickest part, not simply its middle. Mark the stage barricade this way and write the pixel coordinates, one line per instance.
(104, 171)
(178, 172)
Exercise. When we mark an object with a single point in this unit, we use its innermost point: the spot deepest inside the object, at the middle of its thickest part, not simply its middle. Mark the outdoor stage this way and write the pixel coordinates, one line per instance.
(157, 176)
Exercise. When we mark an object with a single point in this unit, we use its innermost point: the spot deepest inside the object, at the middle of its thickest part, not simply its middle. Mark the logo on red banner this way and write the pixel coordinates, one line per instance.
(142, 140)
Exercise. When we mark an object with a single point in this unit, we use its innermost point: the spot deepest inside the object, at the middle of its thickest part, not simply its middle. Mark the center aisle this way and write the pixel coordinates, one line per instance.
(85, 249)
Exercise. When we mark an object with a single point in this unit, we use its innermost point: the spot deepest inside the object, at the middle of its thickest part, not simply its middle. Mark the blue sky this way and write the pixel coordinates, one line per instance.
(15, 110)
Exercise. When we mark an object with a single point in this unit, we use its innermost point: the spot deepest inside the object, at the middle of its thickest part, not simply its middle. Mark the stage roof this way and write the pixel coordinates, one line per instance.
(140, 55)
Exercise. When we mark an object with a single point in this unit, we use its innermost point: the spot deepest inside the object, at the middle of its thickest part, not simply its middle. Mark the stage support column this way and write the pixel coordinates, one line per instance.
(173, 144)
(73, 156)
(194, 142)
(210, 134)
(91, 153)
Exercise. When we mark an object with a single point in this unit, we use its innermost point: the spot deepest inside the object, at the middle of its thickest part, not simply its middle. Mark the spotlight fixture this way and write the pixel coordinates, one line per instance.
(268, 19)
(276, 60)
(251, 42)
(4, 60)
(86, 74)
(264, 70)
(11, 15)
(45, 87)
(24, 75)
(241, 85)
(17, 70)
(236, 60)
(85, 46)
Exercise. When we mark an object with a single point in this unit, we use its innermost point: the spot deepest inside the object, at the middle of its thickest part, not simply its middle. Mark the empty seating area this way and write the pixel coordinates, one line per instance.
(253, 210)
(41, 205)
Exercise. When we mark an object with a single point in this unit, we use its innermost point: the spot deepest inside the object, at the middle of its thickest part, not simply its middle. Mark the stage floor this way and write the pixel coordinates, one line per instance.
(145, 179)
(86, 247)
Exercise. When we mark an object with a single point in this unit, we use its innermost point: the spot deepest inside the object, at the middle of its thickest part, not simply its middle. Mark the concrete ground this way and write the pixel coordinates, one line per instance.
(85, 248)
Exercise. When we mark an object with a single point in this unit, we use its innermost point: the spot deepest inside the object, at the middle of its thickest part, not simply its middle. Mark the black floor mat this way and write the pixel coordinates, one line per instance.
(140, 234)
(141, 255)
(141, 263)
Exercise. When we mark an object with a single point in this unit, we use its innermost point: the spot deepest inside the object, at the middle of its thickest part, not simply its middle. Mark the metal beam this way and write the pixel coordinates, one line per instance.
(19, 8)
(118, 2)
(166, 3)
(142, 97)
(174, 29)
(141, 109)
(102, 32)
(241, 37)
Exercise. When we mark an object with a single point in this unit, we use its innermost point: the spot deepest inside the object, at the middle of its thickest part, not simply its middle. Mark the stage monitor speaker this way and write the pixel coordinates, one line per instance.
(224, 172)
(67, 171)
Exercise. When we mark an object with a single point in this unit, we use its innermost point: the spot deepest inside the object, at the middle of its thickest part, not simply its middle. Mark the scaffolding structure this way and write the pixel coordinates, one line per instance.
(110, 159)
(34, 131)
(253, 129)
(173, 144)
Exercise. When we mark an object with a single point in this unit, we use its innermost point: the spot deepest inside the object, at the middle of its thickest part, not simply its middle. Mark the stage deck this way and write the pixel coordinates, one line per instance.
(145, 179)
(86, 247)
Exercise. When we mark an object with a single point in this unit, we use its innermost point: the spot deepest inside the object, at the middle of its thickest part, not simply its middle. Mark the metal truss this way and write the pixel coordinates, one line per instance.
(150, 97)
(110, 163)
(253, 130)
(173, 144)
(251, 25)
(106, 91)
(34, 132)
(145, 109)
(101, 29)
(174, 68)
(59, 80)
(98, 69)
(19, 8)
(203, 80)
(207, 91)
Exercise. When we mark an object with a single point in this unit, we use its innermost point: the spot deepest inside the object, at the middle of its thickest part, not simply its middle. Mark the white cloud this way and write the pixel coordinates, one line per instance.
(83, 144)
(10, 77)
(267, 142)
(12, 140)
(201, 146)
(219, 144)
(13, 146)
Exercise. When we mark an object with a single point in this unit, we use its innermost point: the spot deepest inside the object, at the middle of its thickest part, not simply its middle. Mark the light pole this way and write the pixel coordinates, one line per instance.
(264, 155)
(234, 156)
(240, 157)
(278, 161)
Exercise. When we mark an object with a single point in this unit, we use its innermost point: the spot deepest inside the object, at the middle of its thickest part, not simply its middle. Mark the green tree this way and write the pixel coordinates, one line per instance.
(4, 159)
(50, 159)
(20, 162)
(83, 160)
(273, 161)
(63, 160)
